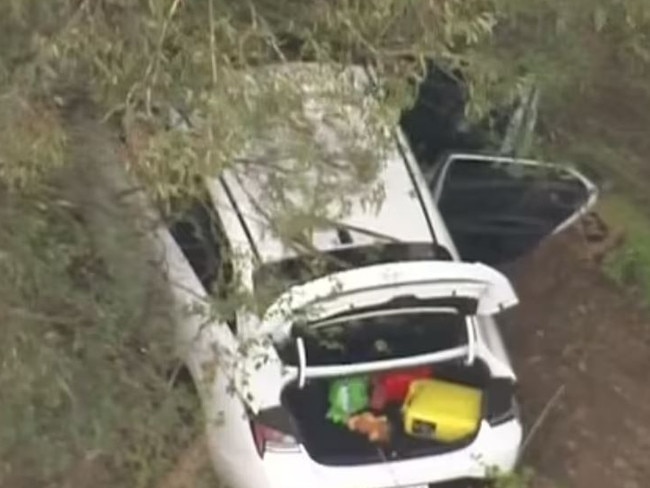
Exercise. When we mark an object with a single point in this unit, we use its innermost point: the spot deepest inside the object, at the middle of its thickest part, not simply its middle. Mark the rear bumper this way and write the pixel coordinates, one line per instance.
(493, 448)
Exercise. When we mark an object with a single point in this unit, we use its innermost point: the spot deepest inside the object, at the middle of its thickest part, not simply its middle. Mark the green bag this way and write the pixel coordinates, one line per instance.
(348, 396)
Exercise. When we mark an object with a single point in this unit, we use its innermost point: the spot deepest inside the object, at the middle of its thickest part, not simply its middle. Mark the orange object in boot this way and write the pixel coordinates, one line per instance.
(377, 429)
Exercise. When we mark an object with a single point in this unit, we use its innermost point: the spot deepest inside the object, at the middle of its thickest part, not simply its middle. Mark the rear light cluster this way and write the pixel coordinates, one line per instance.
(273, 431)
(268, 439)
(501, 405)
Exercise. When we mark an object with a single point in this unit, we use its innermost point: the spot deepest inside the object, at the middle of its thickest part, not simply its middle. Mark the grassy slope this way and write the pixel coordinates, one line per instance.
(604, 129)
(629, 263)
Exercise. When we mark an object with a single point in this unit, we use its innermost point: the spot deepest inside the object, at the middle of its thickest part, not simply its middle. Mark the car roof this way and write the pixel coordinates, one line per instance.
(400, 217)
(389, 209)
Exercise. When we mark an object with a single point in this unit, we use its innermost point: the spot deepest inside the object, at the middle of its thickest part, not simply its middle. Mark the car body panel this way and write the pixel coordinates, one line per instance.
(499, 208)
(376, 223)
(354, 289)
(492, 448)
(376, 284)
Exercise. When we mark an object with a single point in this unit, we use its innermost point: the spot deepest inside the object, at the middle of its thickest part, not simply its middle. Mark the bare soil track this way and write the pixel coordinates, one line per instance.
(576, 331)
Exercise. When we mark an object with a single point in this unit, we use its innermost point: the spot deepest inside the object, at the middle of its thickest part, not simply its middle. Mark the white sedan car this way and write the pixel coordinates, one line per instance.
(403, 285)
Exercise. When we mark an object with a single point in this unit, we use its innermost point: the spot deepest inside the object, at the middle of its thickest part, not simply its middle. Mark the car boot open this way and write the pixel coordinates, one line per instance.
(335, 443)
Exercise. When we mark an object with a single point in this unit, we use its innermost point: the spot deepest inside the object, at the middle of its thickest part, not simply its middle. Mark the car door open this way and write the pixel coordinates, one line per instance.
(499, 208)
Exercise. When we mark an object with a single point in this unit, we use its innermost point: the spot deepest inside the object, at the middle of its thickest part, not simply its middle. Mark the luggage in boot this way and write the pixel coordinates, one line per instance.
(441, 410)
(393, 386)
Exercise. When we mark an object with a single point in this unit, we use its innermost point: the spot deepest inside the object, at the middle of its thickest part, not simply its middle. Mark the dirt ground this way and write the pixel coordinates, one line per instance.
(582, 344)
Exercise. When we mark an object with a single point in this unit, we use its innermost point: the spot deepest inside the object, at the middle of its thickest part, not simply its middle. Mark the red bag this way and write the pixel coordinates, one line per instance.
(392, 387)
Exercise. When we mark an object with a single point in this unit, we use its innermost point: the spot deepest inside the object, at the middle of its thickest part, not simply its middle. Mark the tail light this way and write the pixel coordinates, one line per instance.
(270, 439)
(501, 405)
(274, 430)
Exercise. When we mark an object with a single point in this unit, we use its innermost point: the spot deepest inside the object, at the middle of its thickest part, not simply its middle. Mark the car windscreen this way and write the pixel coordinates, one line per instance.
(383, 335)
(271, 279)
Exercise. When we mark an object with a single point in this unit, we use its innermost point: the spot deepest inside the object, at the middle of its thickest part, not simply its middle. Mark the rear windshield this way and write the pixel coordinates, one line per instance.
(271, 279)
(385, 335)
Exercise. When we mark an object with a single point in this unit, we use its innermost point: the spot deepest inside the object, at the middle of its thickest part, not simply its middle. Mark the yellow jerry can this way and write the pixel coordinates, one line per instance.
(441, 410)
